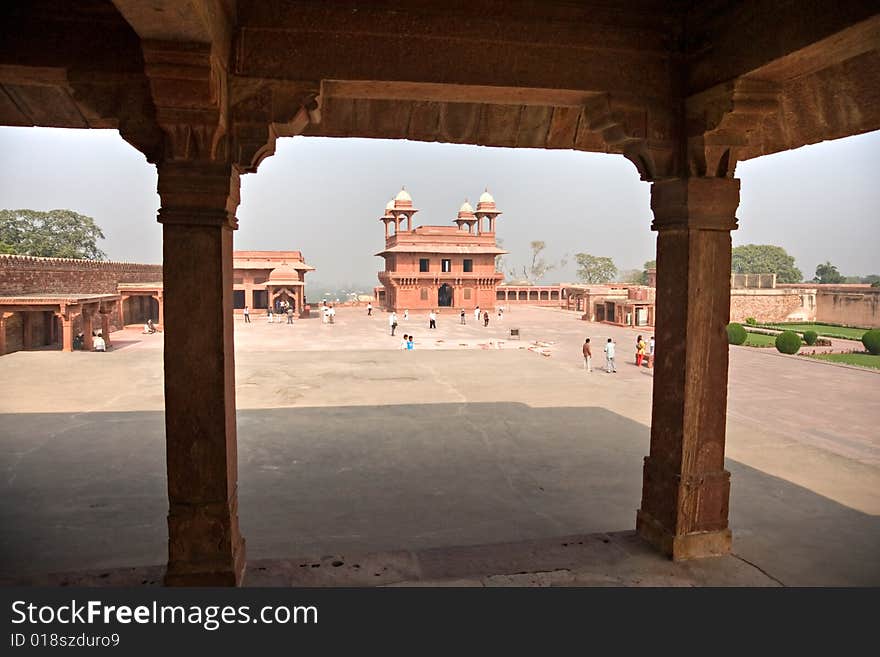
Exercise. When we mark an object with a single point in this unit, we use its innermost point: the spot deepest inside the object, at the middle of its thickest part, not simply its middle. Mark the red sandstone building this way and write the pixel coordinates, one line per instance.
(432, 267)
(45, 302)
(260, 278)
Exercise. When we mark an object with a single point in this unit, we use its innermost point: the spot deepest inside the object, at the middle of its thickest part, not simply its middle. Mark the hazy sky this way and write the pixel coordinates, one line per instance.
(324, 197)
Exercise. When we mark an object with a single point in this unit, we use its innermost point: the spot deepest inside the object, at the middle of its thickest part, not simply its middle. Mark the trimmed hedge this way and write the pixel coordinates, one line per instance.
(810, 337)
(736, 334)
(871, 340)
(788, 342)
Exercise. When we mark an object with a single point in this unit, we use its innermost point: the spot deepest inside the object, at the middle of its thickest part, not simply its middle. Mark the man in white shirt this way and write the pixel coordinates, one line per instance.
(432, 320)
(392, 321)
(477, 314)
(609, 356)
(651, 352)
(98, 343)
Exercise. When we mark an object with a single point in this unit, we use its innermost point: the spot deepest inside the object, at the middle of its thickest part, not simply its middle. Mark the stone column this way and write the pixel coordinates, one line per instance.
(205, 546)
(88, 343)
(686, 489)
(122, 301)
(66, 331)
(3, 318)
(105, 328)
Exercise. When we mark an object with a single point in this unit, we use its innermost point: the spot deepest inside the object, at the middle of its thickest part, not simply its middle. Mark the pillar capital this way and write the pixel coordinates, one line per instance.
(198, 193)
(695, 203)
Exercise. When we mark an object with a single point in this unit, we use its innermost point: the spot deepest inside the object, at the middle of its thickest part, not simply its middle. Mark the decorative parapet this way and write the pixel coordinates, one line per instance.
(10, 261)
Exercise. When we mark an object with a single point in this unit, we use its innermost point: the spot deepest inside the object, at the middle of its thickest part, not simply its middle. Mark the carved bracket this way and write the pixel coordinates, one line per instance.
(189, 87)
(723, 125)
(264, 110)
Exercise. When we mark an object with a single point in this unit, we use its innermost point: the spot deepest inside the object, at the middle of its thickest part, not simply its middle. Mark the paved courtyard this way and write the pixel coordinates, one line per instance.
(348, 444)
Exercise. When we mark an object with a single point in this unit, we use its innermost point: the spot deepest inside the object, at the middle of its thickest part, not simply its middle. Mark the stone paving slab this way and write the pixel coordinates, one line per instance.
(616, 559)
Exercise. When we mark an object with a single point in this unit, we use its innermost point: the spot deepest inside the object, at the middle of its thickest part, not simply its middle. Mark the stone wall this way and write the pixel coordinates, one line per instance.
(28, 275)
(849, 307)
(774, 305)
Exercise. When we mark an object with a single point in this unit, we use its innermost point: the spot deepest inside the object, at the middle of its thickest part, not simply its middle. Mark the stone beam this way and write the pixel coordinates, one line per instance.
(193, 21)
(517, 44)
(745, 38)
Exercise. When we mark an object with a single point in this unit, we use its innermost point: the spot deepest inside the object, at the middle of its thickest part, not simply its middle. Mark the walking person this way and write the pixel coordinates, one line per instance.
(410, 343)
(477, 314)
(271, 314)
(403, 341)
(405, 314)
(588, 355)
(332, 314)
(290, 314)
(369, 309)
(641, 350)
(609, 357)
(486, 318)
(461, 315)
(651, 353)
(392, 321)
(247, 315)
(432, 320)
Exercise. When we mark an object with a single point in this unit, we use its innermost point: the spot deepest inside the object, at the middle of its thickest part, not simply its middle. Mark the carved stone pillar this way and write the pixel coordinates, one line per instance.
(105, 327)
(205, 546)
(88, 342)
(160, 298)
(122, 301)
(66, 330)
(686, 488)
(3, 318)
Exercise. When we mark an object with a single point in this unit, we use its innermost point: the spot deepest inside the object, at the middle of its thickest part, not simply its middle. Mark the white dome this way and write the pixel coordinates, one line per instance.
(486, 197)
(403, 195)
(466, 207)
(390, 205)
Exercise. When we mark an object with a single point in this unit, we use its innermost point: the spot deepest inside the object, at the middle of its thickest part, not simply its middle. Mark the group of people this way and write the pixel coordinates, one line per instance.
(98, 342)
(149, 327)
(644, 354)
(328, 313)
(282, 308)
(407, 342)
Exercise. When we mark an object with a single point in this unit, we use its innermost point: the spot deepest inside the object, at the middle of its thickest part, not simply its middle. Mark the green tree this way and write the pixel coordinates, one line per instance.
(765, 259)
(828, 273)
(537, 268)
(872, 279)
(53, 234)
(595, 269)
(649, 264)
(631, 276)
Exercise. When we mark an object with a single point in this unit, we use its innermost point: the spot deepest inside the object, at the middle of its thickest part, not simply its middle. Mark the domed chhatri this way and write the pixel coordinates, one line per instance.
(398, 213)
(466, 208)
(486, 202)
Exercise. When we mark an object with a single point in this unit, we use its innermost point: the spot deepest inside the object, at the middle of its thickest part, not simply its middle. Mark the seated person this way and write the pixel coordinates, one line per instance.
(151, 325)
(98, 343)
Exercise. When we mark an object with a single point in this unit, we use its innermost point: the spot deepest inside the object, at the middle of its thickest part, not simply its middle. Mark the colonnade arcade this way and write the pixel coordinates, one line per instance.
(205, 88)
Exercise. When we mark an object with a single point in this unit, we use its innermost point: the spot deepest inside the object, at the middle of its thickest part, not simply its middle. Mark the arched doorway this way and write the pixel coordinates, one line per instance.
(444, 295)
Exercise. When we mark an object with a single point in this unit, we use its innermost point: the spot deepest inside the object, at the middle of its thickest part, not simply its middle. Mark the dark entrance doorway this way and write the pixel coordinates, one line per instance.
(444, 295)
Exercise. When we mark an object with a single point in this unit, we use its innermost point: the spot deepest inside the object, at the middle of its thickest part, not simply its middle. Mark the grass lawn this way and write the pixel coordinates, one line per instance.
(862, 360)
(823, 329)
(760, 340)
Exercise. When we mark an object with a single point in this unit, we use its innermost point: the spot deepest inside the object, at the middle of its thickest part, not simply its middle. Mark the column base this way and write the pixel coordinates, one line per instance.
(697, 545)
(209, 574)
